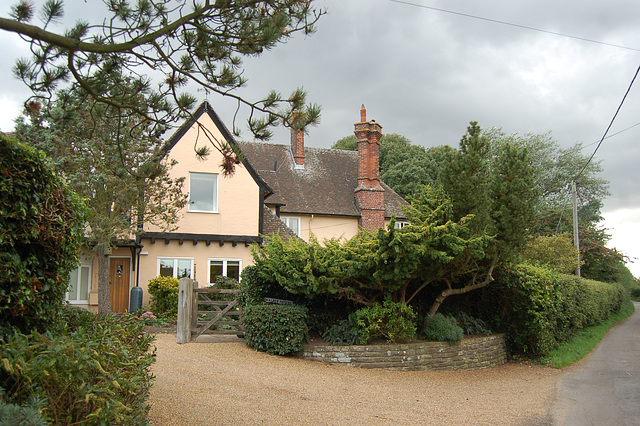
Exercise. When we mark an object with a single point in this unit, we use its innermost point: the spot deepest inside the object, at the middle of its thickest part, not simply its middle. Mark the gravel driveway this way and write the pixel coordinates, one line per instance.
(225, 382)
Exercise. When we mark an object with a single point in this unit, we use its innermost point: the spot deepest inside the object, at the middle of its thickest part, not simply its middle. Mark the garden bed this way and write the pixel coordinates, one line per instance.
(471, 353)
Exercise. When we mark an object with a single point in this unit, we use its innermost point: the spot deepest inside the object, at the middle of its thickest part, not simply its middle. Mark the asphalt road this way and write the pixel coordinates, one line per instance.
(604, 388)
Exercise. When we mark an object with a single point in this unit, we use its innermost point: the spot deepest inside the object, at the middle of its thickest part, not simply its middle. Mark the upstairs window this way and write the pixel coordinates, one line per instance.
(293, 223)
(203, 192)
(400, 224)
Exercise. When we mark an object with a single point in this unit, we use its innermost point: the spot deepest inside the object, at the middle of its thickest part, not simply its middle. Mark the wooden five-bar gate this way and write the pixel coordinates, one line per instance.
(199, 312)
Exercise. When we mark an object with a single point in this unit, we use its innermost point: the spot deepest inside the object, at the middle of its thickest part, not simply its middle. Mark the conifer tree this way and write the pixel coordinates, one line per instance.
(161, 46)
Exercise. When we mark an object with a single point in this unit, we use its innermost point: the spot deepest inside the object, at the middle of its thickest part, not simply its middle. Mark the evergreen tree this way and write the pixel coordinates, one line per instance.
(112, 161)
(168, 42)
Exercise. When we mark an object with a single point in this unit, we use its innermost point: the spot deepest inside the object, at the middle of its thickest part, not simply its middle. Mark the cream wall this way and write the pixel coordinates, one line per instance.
(238, 195)
(324, 227)
(200, 254)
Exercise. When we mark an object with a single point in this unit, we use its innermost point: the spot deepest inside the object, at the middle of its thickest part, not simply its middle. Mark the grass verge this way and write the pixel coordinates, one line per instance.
(585, 340)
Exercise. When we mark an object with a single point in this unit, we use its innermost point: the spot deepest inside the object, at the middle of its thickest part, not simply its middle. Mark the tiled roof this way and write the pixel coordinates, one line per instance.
(274, 225)
(324, 186)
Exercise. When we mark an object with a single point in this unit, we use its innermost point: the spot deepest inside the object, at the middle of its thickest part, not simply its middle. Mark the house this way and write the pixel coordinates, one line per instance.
(291, 189)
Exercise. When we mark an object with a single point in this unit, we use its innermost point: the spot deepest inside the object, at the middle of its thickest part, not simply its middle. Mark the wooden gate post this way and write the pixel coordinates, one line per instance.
(185, 310)
(194, 308)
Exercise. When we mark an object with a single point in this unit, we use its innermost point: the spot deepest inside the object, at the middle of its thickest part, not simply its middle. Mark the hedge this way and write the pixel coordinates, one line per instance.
(541, 308)
(275, 329)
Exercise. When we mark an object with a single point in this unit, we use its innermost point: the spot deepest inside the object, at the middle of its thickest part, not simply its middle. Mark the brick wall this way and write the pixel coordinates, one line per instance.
(471, 354)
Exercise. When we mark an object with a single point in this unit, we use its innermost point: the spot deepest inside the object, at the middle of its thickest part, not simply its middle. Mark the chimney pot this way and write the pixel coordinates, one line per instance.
(363, 114)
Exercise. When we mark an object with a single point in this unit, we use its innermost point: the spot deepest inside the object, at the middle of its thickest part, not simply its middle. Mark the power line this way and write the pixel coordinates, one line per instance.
(610, 124)
(496, 21)
(612, 135)
(604, 137)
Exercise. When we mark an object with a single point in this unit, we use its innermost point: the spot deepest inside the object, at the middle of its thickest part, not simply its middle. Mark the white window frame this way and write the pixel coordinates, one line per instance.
(287, 221)
(175, 265)
(401, 224)
(78, 272)
(214, 195)
(224, 267)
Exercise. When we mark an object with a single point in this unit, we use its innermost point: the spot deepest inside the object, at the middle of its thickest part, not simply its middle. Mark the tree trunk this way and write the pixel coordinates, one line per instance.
(451, 291)
(104, 292)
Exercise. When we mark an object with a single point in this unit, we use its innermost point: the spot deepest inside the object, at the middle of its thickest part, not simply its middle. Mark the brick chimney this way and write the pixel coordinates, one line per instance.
(369, 193)
(297, 147)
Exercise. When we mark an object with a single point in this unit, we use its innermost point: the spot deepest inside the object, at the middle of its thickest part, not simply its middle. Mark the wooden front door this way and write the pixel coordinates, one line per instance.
(119, 269)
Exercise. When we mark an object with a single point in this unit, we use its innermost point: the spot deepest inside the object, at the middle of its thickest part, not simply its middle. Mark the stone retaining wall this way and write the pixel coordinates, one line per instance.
(470, 354)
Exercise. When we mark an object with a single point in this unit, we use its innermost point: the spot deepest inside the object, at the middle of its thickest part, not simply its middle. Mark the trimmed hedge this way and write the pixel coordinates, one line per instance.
(275, 329)
(541, 308)
(583, 303)
(95, 372)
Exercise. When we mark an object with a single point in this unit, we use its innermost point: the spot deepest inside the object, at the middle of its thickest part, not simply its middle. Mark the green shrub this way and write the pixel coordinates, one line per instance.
(440, 328)
(345, 332)
(584, 303)
(164, 296)
(529, 311)
(224, 283)
(275, 329)
(555, 252)
(392, 321)
(541, 308)
(40, 235)
(472, 326)
(255, 289)
(21, 415)
(96, 373)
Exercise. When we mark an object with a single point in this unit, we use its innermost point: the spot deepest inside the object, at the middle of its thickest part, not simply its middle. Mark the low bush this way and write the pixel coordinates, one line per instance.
(345, 332)
(440, 328)
(96, 372)
(275, 329)
(472, 326)
(392, 321)
(164, 296)
(21, 415)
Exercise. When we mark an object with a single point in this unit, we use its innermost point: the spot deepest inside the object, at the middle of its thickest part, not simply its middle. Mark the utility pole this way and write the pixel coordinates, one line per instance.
(576, 236)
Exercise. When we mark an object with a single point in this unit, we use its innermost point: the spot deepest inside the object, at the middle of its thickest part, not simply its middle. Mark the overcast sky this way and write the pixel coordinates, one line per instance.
(425, 74)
